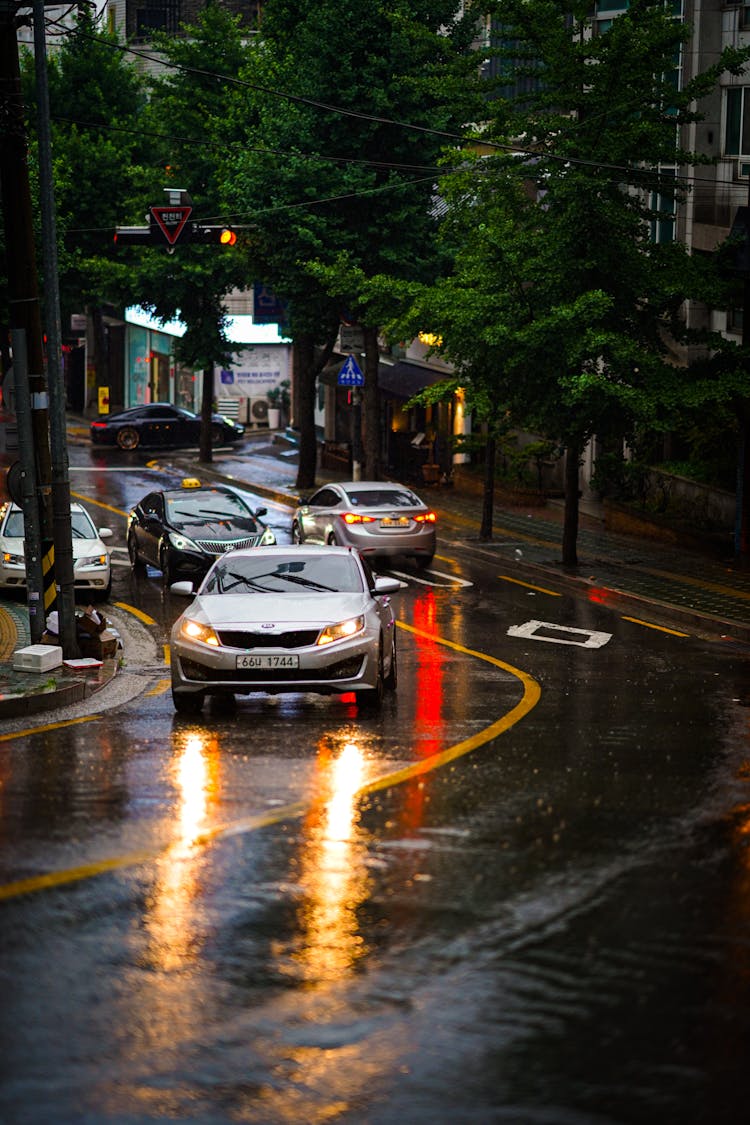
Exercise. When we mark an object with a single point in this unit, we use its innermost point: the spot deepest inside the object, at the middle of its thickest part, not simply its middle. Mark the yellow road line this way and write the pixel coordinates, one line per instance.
(144, 617)
(650, 625)
(99, 504)
(160, 687)
(47, 726)
(530, 698)
(529, 586)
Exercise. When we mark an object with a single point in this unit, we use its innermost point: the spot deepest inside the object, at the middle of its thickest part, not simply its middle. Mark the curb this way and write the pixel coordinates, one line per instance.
(35, 701)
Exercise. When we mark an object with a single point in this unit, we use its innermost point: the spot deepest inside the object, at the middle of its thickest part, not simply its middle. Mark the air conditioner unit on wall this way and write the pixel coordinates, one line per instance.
(233, 408)
(257, 414)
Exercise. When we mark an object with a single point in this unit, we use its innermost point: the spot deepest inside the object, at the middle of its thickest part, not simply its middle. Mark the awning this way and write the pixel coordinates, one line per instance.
(404, 380)
(396, 380)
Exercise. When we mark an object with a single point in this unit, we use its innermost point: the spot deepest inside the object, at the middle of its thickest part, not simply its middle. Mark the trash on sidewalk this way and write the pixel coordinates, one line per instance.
(37, 658)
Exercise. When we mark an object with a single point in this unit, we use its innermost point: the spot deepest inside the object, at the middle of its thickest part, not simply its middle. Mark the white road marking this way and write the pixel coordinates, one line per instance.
(593, 639)
(452, 580)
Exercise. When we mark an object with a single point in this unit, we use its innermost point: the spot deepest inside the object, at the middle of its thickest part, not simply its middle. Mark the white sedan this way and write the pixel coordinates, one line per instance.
(92, 572)
(285, 619)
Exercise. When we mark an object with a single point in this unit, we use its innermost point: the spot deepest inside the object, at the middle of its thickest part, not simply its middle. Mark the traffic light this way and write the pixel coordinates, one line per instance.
(214, 235)
(134, 236)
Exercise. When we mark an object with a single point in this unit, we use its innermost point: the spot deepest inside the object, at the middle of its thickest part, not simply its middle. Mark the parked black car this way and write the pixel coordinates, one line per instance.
(160, 423)
(182, 531)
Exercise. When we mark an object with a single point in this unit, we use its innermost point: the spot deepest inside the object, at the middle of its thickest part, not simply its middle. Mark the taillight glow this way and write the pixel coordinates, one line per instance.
(356, 517)
(428, 517)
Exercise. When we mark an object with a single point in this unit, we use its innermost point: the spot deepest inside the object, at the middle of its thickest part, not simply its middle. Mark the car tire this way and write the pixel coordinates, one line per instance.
(391, 680)
(332, 540)
(217, 434)
(168, 575)
(423, 561)
(371, 699)
(296, 533)
(105, 594)
(128, 438)
(135, 561)
(188, 702)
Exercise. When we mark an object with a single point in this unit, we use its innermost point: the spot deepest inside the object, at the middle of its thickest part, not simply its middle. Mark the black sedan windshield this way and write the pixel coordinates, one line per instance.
(208, 513)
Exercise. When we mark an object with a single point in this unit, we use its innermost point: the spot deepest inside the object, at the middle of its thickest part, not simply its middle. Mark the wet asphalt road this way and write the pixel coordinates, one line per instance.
(551, 927)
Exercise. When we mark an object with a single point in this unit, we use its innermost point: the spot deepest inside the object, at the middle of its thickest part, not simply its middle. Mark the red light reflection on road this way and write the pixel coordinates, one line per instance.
(428, 685)
(601, 595)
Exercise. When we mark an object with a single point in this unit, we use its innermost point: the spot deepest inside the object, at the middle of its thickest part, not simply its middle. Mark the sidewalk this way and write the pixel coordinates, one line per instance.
(674, 586)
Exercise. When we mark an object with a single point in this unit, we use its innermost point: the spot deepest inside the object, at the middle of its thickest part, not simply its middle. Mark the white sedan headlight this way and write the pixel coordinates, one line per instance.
(13, 560)
(92, 560)
(341, 630)
(195, 631)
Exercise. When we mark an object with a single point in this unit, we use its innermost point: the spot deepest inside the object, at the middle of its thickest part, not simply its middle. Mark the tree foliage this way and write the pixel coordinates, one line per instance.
(562, 310)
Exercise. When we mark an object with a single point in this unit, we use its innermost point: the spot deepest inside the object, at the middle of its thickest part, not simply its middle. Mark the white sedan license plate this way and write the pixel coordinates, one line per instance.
(395, 521)
(267, 661)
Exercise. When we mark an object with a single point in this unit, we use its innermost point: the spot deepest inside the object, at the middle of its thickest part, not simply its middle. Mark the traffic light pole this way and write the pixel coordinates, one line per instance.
(62, 530)
(25, 313)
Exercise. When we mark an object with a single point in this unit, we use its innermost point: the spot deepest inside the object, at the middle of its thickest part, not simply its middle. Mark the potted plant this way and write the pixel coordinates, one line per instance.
(278, 404)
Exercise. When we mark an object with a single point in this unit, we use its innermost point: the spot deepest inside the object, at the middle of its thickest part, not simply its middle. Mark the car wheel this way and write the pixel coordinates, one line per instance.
(391, 680)
(217, 434)
(296, 533)
(133, 551)
(372, 698)
(331, 540)
(128, 438)
(423, 561)
(104, 595)
(167, 569)
(188, 702)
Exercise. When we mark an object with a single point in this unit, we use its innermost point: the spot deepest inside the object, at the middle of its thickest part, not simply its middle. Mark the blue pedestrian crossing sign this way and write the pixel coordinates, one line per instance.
(350, 374)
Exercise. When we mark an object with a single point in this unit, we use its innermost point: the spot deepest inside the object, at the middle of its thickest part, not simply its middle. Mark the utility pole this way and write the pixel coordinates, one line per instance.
(62, 530)
(25, 312)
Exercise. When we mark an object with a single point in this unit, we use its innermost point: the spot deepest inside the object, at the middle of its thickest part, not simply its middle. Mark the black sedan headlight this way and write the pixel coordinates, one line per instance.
(181, 542)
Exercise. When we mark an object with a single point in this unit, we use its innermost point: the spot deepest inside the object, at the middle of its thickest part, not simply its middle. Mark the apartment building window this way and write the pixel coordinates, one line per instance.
(158, 15)
(737, 126)
(663, 206)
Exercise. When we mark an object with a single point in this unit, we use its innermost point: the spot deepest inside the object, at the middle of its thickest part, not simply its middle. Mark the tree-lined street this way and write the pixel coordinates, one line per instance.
(547, 927)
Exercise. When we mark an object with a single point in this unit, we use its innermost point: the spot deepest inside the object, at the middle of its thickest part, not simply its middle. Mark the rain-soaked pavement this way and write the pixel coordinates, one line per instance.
(519, 894)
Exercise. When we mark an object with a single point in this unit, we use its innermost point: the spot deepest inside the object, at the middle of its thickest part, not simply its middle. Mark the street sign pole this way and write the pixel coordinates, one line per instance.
(351, 376)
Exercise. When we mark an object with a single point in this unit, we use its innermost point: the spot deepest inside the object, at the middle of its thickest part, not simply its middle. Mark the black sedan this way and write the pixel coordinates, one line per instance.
(160, 424)
(182, 531)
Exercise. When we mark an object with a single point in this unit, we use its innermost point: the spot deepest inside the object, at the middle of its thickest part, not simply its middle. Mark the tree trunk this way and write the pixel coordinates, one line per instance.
(488, 496)
(371, 406)
(205, 452)
(305, 373)
(570, 523)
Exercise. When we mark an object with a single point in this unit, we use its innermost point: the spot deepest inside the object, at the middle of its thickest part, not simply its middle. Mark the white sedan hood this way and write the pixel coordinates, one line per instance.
(243, 610)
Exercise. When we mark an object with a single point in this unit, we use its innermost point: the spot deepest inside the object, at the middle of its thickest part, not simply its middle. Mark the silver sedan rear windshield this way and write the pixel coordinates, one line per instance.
(383, 498)
(245, 574)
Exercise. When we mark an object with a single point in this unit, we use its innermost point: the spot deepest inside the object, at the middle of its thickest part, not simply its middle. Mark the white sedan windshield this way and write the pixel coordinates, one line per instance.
(245, 574)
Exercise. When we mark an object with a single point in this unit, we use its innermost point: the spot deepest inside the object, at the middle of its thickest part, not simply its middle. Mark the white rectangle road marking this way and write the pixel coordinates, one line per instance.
(582, 638)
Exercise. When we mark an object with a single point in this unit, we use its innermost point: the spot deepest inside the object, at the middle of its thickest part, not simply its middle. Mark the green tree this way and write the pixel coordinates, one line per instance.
(97, 98)
(186, 124)
(330, 170)
(561, 304)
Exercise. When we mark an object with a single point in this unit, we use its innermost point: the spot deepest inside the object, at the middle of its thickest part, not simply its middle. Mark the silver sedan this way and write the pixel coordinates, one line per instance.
(285, 619)
(381, 519)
